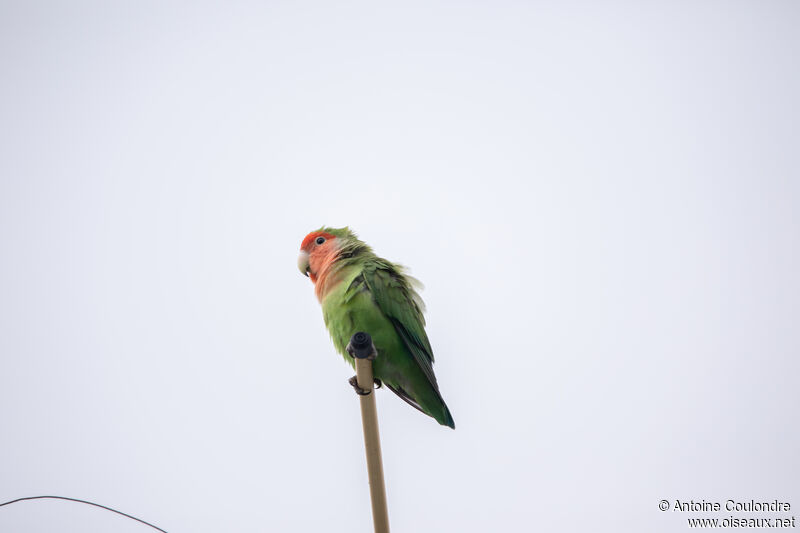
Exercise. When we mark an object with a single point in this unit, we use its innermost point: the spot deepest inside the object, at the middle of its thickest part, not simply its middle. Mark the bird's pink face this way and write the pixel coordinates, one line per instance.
(317, 250)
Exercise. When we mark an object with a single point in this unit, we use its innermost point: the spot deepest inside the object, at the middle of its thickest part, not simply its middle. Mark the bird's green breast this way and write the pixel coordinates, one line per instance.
(349, 308)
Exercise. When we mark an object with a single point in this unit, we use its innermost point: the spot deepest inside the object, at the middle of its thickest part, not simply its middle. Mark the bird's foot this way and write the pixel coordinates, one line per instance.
(378, 383)
(354, 383)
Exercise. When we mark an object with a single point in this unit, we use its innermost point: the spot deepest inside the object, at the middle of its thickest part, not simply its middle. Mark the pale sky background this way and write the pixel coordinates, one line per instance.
(601, 199)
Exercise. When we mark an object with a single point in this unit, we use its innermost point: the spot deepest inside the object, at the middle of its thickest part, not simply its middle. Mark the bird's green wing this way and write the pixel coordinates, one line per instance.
(398, 300)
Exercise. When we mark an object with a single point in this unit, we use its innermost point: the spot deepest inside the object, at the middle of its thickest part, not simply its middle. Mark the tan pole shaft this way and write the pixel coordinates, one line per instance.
(372, 445)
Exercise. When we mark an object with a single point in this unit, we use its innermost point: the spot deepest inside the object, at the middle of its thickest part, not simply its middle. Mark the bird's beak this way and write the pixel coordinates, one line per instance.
(302, 263)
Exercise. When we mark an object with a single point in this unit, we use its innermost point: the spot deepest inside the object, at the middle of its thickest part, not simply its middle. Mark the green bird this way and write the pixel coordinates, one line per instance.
(360, 291)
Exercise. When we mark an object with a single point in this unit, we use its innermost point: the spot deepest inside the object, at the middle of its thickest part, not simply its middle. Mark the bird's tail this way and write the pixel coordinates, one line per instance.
(447, 419)
(433, 405)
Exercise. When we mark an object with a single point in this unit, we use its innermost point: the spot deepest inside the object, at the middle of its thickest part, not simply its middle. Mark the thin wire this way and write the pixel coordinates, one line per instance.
(87, 503)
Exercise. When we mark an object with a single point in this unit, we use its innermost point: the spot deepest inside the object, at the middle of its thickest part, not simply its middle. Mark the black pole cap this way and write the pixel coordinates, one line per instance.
(361, 346)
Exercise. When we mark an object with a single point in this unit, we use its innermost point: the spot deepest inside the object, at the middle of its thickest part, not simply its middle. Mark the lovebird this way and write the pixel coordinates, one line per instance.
(360, 291)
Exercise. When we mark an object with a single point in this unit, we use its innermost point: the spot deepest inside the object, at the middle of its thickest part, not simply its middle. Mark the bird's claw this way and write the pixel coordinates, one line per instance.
(354, 383)
(378, 383)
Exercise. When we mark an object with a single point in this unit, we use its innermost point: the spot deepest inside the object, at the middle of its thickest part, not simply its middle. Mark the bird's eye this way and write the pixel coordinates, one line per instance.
(320, 240)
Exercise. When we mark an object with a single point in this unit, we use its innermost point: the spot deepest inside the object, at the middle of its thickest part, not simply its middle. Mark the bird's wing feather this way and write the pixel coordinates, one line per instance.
(397, 299)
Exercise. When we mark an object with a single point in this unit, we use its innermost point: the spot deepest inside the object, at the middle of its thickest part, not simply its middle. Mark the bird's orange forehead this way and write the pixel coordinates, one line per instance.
(313, 235)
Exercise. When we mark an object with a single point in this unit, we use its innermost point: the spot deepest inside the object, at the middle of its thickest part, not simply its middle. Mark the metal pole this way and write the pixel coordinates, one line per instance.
(363, 351)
